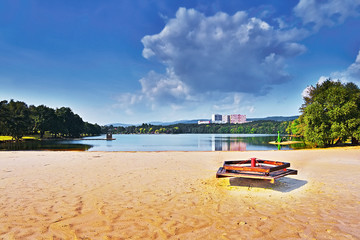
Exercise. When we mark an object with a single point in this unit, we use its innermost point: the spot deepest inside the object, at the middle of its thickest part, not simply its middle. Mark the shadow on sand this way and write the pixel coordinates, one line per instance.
(281, 185)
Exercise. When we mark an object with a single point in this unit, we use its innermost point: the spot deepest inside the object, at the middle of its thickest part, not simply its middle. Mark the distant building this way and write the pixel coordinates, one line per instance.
(237, 118)
(233, 118)
(216, 118)
(203, 122)
(225, 119)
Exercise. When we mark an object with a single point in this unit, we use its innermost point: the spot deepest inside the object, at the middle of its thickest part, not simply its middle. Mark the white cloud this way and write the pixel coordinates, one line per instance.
(213, 62)
(351, 74)
(158, 87)
(321, 13)
(354, 69)
(233, 103)
(222, 52)
(127, 99)
(306, 91)
(322, 79)
(251, 109)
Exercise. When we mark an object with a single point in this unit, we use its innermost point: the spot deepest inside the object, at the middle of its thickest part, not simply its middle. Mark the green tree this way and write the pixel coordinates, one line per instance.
(176, 130)
(69, 123)
(44, 119)
(331, 113)
(4, 116)
(91, 129)
(17, 122)
(296, 127)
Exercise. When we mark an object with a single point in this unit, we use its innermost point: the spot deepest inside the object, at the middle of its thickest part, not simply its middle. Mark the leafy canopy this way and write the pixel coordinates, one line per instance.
(331, 113)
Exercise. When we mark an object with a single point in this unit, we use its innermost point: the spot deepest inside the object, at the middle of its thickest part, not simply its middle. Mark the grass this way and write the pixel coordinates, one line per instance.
(29, 138)
(9, 138)
(5, 138)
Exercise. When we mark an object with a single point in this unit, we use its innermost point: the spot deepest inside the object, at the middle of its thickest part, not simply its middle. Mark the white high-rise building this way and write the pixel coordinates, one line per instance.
(225, 119)
(233, 118)
(216, 118)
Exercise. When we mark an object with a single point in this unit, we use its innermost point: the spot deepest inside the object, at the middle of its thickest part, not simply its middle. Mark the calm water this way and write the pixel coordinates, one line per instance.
(162, 142)
(183, 142)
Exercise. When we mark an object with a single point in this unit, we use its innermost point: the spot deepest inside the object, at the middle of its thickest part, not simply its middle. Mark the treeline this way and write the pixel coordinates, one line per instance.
(257, 127)
(330, 114)
(17, 119)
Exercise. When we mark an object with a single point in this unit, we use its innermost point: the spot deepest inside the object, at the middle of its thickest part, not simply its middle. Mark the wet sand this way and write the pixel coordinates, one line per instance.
(175, 195)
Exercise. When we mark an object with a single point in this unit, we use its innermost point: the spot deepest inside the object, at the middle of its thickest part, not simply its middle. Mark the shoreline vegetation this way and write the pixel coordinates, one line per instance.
(330, 116)
(256, 127)
(17, 120)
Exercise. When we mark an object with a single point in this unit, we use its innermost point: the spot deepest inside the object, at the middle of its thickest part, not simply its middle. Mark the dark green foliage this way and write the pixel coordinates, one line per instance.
(14, 119)
(17, 119)
(260, 127)
(331, 113)
(4, 115)
(92, 129)
(44, 119)
(71, 124)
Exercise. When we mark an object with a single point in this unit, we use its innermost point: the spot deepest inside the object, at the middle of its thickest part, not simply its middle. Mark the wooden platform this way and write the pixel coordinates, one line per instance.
(264, 169)
(222, 172)
(263, 166)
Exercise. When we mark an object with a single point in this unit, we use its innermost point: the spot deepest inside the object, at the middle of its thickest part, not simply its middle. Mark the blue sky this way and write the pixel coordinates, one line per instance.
(135, 61)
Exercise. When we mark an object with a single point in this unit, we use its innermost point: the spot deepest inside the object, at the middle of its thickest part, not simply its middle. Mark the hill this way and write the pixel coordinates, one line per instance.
(194, 121)
(274, 118)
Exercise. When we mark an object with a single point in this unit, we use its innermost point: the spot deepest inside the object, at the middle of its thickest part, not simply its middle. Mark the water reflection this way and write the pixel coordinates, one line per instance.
(227, 144)
(43, 145)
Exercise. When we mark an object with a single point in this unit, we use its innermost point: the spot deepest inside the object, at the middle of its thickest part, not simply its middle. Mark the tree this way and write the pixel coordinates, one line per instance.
(92, 129)
(331, 113)
(4, 116)
(16, 121)
(69, 123)
(44, 119)
(296, 127)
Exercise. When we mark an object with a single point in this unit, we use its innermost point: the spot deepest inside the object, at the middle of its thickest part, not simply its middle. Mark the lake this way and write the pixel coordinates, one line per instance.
(159, 142)
(183, 142)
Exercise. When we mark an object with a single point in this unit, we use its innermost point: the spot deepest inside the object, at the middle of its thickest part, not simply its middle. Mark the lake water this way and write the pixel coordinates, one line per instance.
(159, 142)
(183, 142)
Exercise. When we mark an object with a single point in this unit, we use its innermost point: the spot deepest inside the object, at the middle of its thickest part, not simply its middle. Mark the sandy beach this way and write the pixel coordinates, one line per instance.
(175, 195)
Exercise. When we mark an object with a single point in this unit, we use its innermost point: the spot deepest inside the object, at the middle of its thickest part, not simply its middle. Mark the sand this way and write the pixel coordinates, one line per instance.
(175, 195)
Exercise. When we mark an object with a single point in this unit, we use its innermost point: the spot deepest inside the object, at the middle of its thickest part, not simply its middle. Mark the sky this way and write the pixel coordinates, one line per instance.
(136, 61)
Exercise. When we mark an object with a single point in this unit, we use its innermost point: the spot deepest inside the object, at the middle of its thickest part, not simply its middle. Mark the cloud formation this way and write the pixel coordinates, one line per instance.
(353, 70)
(351, 74)
(222, 52)
(217, 60)
(214, 60)
(319, 13)
(160, 87)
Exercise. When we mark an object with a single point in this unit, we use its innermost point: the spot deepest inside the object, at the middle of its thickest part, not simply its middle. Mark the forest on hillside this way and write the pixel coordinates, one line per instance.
(256, 127)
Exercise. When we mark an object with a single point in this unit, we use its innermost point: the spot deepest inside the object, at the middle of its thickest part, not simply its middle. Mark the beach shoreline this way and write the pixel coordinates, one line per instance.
(175, 195)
